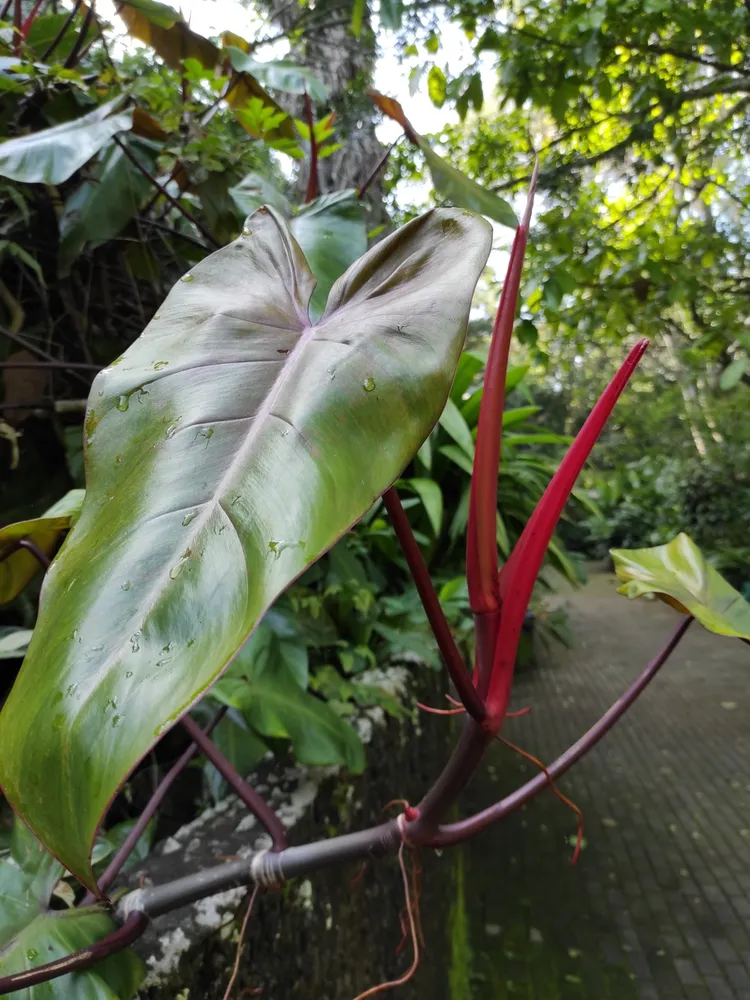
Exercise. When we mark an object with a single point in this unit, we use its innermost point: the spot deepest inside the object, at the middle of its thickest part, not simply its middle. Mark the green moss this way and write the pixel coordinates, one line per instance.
(460, 967)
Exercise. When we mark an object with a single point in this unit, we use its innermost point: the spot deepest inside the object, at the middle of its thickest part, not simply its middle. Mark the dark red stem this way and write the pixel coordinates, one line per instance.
(26, 26)
(378, 167)
(61, 33)
(130, 931)
(254, 802)
(163, 191)
(456, 775)
(456, 833)
(421, 575)
(115, 866)
(42, 558)
(76, 52)
(17, 25)
(312, 180)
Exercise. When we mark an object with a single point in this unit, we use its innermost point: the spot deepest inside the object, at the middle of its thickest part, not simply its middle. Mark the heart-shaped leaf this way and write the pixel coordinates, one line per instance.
(681, 576)
(32, 934)
(18, 566)
(52, 155)
(230, 446)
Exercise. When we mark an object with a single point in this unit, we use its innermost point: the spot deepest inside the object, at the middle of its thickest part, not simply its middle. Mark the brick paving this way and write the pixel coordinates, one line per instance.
(658, 907)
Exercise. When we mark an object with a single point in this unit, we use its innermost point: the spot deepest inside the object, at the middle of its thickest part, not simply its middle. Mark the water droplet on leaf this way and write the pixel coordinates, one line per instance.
(126, 585)
(116, 719)
(188, 518)
(134, 642)
(122, 403)
(118, 459)
(369, 384)
(128, 673)
(247, 232)
(188, 277)
(158, 365)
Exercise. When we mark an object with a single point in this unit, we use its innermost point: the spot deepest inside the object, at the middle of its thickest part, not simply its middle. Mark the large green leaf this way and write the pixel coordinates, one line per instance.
(229, 447)
(255, 190)
(332, 233)
(18, 566)
(277, 707)
(52, 155)
(680, 575)
(99, 209)
(32, 934)
(279, 74)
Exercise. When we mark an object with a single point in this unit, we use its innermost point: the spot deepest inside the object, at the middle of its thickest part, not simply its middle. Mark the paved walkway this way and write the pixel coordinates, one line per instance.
(658, 907)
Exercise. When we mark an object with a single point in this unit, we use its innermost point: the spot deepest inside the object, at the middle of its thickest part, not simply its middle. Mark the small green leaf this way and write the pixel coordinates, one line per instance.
(552, 294)
(18, 566)
(457, 456)
(452, 421)
(391, 14)
(733, 373)
(519, 415)
(358, 15)
(431, 496)
(437, 86)
(681, 576)
(52, 155)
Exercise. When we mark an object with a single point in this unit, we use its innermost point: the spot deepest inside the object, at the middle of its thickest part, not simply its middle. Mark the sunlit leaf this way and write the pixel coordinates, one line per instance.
(18, 566)
(679, 574)
(230, 446)
(280, 74)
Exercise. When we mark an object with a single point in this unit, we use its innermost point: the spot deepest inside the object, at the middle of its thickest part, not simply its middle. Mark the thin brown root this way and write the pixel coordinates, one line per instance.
(360, 874)
(240, 944)
(440, 711)
(555, 789)
(374, 990)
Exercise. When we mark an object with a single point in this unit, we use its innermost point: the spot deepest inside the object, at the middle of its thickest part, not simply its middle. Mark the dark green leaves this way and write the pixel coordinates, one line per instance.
(32, 934)
(331, 232)
(680, 575)
(274, 703)
(228, 449)
(52, 155)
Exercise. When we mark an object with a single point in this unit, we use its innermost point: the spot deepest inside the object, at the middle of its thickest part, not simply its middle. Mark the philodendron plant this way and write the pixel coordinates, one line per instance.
(226, 451)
